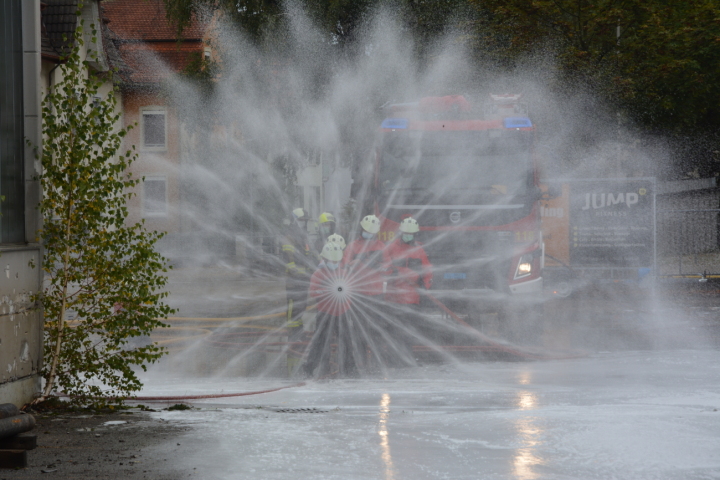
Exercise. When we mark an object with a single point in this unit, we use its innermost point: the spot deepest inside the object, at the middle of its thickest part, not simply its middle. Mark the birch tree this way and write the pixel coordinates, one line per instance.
(97, 267)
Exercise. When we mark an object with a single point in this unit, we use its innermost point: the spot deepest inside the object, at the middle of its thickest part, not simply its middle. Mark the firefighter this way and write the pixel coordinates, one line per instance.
(326, 227)
(335, 238)
(366, 262)
(366, 258)
(298, 267)
(329, 286)
(410, 271)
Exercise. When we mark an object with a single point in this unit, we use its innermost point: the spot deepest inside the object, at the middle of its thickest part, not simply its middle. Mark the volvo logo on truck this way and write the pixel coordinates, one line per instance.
(455, 217)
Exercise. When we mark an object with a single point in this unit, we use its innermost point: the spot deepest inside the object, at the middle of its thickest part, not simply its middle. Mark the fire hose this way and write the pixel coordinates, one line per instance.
(171, 398)
(490, 345)
(217, 395)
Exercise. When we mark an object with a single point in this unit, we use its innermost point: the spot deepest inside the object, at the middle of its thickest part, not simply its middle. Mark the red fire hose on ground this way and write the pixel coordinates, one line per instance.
(172, 398)
(217, 395)
(489, 345)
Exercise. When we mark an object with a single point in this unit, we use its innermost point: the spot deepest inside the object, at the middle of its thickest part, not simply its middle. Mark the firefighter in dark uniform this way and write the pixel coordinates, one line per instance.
(299, 265)
(326, 227)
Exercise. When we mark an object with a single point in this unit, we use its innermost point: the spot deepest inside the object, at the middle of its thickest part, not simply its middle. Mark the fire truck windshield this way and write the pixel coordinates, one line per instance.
(455, 167)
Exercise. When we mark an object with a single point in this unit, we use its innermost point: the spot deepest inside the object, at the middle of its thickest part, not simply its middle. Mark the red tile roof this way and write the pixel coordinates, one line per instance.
(145, 20)
(149, 65)
(147, 41)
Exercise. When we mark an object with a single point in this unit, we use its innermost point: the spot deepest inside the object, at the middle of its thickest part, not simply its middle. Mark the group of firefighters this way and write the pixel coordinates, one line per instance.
(367, 290)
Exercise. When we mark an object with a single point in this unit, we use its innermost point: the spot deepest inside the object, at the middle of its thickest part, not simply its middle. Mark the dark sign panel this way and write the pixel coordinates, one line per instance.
(611, 223)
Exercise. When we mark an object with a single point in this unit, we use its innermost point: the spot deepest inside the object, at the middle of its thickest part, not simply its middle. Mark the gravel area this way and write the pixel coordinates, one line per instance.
(126, 445)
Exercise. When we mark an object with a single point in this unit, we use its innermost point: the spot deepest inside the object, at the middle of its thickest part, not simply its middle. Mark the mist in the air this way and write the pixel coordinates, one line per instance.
(272, 112)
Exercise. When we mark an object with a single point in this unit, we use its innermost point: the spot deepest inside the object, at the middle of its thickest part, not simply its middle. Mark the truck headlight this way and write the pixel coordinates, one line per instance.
(525, 266)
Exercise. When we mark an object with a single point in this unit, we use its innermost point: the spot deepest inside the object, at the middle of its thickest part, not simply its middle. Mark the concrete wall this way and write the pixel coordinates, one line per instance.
(21, 321)
(20, 326)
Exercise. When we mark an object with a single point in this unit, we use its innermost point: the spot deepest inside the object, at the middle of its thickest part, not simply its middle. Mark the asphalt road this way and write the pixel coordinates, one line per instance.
(125, 445)
(648, 370)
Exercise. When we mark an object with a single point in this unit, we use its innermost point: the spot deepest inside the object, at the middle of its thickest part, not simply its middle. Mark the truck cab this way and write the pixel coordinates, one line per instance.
(468, 175)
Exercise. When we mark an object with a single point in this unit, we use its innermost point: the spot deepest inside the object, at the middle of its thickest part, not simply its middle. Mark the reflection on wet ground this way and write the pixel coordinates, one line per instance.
(634, 414)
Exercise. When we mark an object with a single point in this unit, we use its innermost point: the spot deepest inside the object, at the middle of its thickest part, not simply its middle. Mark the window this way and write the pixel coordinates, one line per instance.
(154, 129)
(12, 208)
(155, 197)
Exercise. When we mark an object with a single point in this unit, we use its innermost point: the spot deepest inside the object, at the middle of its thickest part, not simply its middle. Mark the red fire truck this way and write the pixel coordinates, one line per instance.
(467, 174)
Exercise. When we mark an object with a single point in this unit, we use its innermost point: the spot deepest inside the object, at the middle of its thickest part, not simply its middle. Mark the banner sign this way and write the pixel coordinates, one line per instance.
(602, 223)
(611, 223)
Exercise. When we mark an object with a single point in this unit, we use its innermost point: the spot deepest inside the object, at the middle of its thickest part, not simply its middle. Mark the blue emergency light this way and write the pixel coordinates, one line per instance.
(517, 122)
(394, 123)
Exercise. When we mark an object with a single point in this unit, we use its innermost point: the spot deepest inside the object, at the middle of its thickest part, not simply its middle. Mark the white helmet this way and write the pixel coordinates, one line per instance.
(409, 225)
(338, 239)
(370, 224)
(332, 252)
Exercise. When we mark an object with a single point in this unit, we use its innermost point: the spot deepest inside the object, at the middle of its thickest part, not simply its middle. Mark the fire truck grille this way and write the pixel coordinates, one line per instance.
(468, 259)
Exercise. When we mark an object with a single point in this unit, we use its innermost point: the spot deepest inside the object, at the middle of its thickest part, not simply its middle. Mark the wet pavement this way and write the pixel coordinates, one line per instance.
(634, 414)
(641, 402)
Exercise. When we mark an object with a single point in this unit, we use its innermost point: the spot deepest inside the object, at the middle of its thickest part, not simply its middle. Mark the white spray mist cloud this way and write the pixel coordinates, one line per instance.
(273, 108)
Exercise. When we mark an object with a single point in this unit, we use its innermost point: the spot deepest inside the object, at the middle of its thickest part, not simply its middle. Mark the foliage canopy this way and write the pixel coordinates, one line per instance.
(652, 61)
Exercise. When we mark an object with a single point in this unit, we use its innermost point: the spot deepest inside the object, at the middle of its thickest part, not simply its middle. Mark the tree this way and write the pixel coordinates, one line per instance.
(255, 17)
(653, 61)
(105, 272)
(341, 20)
(670, 65)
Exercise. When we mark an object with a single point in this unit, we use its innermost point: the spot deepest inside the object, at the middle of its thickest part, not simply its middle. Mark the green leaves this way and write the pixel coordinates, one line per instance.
(657, 60)
(103, 278)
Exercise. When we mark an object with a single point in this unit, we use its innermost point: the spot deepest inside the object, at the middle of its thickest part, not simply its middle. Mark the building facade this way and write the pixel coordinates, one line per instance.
(147, 55)
(21, 320)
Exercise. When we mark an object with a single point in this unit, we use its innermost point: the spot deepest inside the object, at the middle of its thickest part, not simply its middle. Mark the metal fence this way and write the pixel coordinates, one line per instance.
(688, 237)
